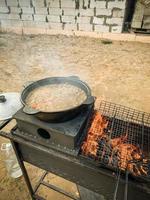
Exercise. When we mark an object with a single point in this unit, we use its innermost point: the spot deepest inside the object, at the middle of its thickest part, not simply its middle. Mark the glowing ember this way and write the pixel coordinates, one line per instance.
(115, 152)
(117, 141)
(95, 132)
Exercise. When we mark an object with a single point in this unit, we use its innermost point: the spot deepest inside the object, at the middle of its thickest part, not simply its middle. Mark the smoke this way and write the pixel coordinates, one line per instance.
(42, 65)
(41, 60)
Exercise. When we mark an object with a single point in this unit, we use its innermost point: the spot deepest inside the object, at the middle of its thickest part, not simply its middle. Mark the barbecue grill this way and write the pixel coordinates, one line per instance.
(58, 148)
(127, 129)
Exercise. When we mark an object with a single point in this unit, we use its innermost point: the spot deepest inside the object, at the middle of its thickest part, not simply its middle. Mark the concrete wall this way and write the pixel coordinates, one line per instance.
(70, 15)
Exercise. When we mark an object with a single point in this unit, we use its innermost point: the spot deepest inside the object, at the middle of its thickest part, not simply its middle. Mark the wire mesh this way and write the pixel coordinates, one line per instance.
(124, 143)
(127, 120)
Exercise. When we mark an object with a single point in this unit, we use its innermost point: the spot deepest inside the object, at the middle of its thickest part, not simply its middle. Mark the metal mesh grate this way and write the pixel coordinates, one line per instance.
(124, 113)
(127, 120)
(127, 132)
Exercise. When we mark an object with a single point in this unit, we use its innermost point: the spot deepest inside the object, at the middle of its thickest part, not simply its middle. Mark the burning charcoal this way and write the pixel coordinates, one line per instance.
(117, 151)
(102, 142)
(136, 171)
(106, 130)
(108, 151)
(117, 141)
(106, 159)
(114, 161)
(144, 160)
(136, 155)
(102, 145)
(144, 170)
(96, 131)
(99, 153)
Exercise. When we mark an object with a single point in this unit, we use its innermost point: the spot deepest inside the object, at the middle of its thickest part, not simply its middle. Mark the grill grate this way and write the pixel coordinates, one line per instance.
(127, 120)
(131, 130)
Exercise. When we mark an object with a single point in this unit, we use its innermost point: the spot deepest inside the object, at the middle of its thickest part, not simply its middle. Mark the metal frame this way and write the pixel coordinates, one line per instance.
(32, 191)
(74, 169)
(90, 195)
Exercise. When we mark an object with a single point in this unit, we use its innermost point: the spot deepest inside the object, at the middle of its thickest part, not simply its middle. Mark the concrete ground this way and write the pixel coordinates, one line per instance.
(117, 72)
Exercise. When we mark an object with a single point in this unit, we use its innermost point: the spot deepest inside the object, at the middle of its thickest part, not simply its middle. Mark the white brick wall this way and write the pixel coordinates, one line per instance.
(84, 20)
(85, 3)
(68, 4)
(114, 20)
(4, 10)
(116, 4)
(100, 4)
(2, 3)
(86, 12)
(97, 4)
(27, 17)
(34, 24)
(68, 19)
(101, 28)
(103, 11)
(27, 10)
(11, 23)
(70, 27)
(55, 11)
(116, 29)
(118, 13)
(70, 11)
(81, 3)
(38, 3)
(12, 3)
(53, 18)
(16, 10)
(97, 20)
(9, 16)
(84, 15)
(85, 27)
(92, 4)
(53, 3)
(56, 26)
(40, 18)
(24, 3)
(41, 11)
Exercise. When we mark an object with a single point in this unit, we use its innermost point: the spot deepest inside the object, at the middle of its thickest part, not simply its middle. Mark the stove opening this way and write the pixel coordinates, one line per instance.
(43, 133)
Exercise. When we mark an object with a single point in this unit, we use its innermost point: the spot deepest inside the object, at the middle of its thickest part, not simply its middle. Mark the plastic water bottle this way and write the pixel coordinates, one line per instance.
(11, 162)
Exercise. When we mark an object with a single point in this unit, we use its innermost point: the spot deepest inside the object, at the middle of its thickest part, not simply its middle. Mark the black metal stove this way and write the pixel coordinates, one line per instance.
(65, 136)
(66, 160)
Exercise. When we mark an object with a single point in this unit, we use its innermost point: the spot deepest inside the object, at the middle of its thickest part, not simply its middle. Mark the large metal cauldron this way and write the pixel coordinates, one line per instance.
(61, 115)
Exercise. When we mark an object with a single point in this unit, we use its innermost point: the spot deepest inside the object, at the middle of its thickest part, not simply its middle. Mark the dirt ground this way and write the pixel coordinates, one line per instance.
(117, 72)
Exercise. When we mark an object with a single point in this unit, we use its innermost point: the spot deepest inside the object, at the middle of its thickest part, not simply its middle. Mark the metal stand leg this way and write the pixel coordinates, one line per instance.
(84, 194)
(24, 171)
(53, 187)
(32, 191)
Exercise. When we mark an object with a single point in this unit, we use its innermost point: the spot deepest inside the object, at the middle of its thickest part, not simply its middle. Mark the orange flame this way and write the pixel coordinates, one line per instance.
(127, 154)
(95, 132)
